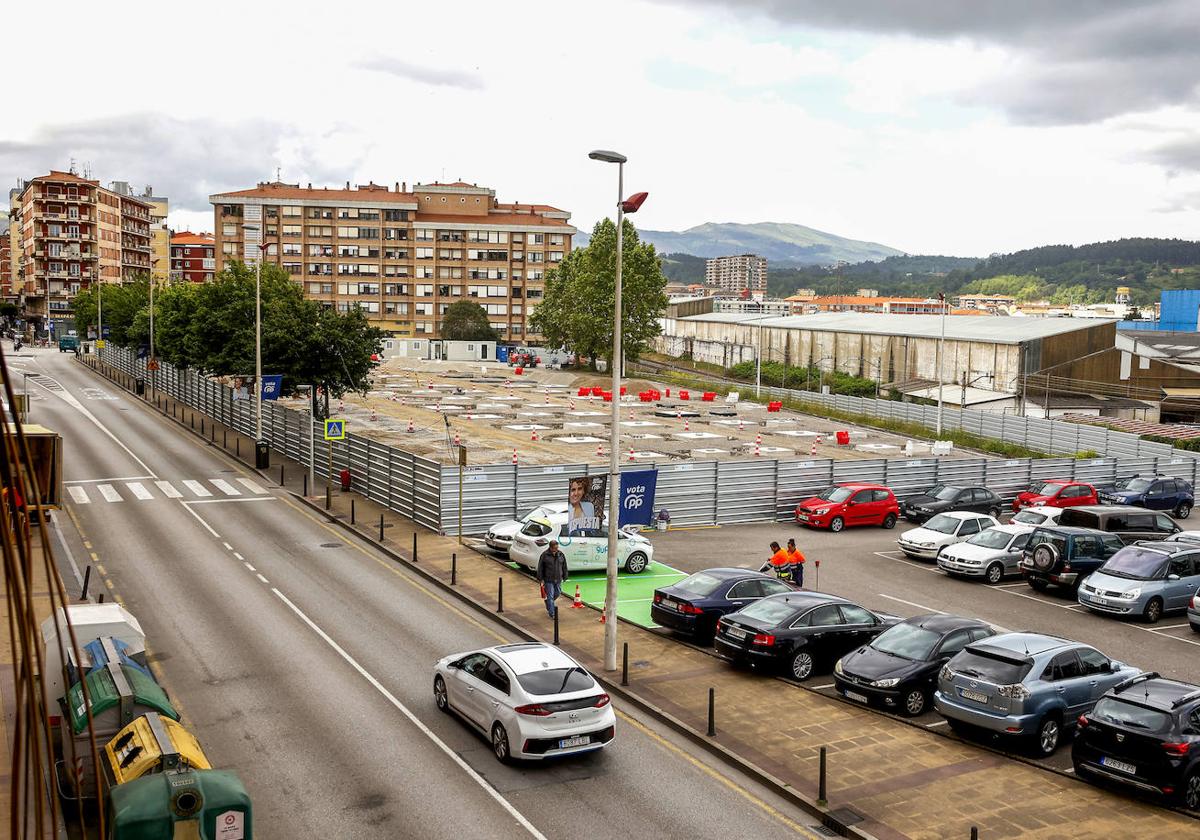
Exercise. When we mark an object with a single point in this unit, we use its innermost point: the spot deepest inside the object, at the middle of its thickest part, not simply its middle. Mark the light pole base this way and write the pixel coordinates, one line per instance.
(262, 455)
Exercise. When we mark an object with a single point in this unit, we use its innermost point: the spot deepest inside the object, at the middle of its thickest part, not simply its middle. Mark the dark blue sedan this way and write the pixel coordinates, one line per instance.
(693, 605)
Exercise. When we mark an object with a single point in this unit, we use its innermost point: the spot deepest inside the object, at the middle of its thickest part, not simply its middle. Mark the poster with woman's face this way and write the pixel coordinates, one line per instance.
(585, 505)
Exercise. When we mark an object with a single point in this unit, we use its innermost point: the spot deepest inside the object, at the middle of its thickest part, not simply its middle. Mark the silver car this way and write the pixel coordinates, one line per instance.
(500, 536)
(1144, 579)
(991, 554)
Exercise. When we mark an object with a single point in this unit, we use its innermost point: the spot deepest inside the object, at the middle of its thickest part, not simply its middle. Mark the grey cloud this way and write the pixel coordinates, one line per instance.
(1178, 157)
(424, 75)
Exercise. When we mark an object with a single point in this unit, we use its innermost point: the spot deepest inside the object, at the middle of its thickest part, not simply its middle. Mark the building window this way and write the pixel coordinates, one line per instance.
(291, 212)
(292, 230)
(229, 229)
(424, 253)
(424, 290)
(425, 234)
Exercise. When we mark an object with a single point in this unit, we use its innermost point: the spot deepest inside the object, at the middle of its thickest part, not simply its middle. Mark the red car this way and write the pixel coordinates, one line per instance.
(849, 504)
(1058, 492)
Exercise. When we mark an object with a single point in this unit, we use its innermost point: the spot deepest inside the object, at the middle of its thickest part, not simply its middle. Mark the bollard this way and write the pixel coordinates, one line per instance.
(305, 485)
(974, 832)
(414, 546)
(821, 800)
(224, 438)
(381, 527)
(281, 475)
(201, 426)
(625, 663)
(500, 594)
(237, 447)
(101, 599)
(328, 499)
(351, 510)
(556, 626)
(87, 579)
(454, 569)
(712, 712)
(193, 421)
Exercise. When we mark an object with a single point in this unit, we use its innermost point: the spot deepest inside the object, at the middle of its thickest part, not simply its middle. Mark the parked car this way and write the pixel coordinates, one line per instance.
(898, 669)
(1144, 733)
(1146, 579)
(1036, 516)
(1057, 492)
(927, 542)
(500, 536)
(1064, 555)
(693, 605)
(943, 498)
(1156, 492)
(530, 700)
(798, 632)
(584, 553)
(1129, 523)
(991, 554)
(1193, 612)
(849, 504)
(1025, 685)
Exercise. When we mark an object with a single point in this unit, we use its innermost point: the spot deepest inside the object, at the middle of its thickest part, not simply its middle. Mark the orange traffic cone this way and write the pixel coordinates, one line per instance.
(577, 604)
(741, 425)
(410, 427)
(686, 428)
(533, 435)
(373, 417)
(599, 451)
(514, 457)
(813, 449)
(631, 453)
(457, 441)
(604, 616)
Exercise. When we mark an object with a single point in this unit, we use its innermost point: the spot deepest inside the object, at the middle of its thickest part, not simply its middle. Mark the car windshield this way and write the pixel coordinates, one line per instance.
(1137, 563)
(991, 667)
(701, 583)
(1030, 517)
(770, 611)
(906, 640)
(835, 494)
(537, 513)
(942, 524)
(556, 680)
(991, 538)
(536, 528)
(1113, 710)
(943, 491)
(1133, 485)
(1043, 488)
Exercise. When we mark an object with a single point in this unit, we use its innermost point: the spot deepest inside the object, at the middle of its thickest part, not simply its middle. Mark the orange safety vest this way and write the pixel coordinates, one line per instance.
(796, 556)
(780, 558)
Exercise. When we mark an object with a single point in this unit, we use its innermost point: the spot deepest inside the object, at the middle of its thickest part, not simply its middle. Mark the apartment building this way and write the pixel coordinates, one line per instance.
(1004, 302)
(889, 305)
(193, 257)
(73, 233)
(6, 293)
(736, 273)
(402, 256)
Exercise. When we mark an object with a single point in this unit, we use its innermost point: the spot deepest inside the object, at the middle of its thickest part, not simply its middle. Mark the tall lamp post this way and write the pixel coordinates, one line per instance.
(262, 454)
(940, 359)
(614, 469)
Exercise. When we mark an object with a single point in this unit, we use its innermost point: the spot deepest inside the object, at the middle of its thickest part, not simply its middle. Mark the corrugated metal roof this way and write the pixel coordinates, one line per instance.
(982, 328)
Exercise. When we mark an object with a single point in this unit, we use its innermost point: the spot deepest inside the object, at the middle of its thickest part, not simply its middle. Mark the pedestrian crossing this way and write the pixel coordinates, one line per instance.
(117, 491)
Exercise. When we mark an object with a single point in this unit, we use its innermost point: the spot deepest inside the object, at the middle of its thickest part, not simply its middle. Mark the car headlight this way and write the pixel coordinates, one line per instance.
(837, 669)
(925, 545)
(946, 673)
(891, 682)
(821, 511)
(1131, 594)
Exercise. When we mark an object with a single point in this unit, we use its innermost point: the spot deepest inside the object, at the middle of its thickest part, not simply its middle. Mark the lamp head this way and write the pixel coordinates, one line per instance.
(607, 157)
(631, 204)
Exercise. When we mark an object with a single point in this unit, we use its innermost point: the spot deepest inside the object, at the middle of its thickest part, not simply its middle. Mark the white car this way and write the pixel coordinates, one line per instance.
(1038, 515)
(500, 535)
(990, 554)
(942, 530)
(531, 700)
(584, 554)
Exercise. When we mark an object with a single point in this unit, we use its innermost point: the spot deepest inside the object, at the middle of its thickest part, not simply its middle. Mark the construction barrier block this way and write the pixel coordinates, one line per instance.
(683, 395)
(519, 371)
(709, 396)
(843, 438)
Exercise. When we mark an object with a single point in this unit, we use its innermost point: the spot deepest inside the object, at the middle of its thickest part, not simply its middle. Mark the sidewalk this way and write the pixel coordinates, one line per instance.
(886, 778)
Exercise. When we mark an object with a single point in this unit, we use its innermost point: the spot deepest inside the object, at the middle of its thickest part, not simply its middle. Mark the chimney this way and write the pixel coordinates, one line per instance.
(310, 185)
(397, 186)
(404, 184)
(347, 185)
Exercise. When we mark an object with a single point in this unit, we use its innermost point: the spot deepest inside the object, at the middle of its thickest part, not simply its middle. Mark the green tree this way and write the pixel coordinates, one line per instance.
(577, 310)
(119, 305)
(466, 320)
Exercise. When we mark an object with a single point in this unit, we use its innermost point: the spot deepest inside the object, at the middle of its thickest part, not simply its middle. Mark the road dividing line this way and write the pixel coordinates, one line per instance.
(415, 721)
(188, 507)
(109, 493)
(79, 495)
(197, 488)
(912, 604)
(263, 579)
(168, 489)
(252, 487)
(225, 487)
(248, 566)
(118, 478)
(139, 490)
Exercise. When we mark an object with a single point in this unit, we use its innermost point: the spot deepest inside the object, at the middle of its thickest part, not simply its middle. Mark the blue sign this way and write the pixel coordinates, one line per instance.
(335, 430)
(143, 351)
(104, 333)
(271, 386)
(637, 497)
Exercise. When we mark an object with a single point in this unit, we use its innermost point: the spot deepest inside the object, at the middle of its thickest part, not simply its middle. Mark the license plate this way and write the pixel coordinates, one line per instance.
(1124, 767)
(577, 741)
(973, 695)
(736, 633)
(671, 605)
(803, 516)
(1099, 600)
(861, 698)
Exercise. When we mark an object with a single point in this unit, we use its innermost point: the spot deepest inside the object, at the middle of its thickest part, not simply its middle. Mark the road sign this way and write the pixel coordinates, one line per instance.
(335, 430)
(99, 343)
(152, 364)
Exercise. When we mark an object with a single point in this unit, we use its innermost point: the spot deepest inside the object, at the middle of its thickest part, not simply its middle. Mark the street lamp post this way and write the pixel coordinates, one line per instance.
(940, 353)
(153, 364)
(262, 455)
(758, 363)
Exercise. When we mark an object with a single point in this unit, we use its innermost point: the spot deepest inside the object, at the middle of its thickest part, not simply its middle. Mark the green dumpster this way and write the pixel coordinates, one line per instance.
(192, 804)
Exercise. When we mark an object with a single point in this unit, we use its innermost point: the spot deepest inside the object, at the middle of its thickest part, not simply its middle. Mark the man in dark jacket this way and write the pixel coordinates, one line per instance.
(552, 571)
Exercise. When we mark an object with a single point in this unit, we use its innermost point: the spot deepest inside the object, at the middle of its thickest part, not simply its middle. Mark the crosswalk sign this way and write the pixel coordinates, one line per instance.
(335, 430)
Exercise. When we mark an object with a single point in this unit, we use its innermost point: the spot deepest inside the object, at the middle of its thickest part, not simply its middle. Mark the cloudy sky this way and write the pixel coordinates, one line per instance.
(934, 126)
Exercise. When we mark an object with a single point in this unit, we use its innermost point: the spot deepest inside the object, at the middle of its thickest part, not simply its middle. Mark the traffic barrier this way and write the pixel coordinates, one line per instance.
(625, 663)
(453, 568)
(577, 604)
(500, 594)
(821, 798)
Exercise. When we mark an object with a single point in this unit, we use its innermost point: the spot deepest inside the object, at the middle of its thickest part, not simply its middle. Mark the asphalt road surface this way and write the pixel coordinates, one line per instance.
(303, 660)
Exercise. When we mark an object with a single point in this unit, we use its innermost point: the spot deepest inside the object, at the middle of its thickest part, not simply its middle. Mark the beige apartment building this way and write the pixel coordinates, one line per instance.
(71, 233)
(401, 256)
(737, 274)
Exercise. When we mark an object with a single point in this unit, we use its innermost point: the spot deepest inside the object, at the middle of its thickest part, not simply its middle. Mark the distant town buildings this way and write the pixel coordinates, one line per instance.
(986, 302)
(859, 303)
(736, 274)
(6, 293)
(193, 257)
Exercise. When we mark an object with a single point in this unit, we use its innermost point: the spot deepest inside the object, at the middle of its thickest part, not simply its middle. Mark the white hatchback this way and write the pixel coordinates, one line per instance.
(583, 553)
(531, 700)
(991, 554)
(1037, 515)
(942, 530)
(500, 536)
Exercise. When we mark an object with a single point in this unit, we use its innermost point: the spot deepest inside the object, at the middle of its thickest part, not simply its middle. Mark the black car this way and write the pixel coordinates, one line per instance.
(693, 605)
(798, 632)
(1144, 733)
(898, 669)
(942, 498)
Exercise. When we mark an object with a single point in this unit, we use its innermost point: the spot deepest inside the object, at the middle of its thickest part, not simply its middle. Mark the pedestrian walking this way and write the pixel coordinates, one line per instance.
(551, 572)
(796, 559)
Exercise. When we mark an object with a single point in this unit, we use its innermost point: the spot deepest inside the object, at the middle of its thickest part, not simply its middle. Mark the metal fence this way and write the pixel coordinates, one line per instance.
(695, 493)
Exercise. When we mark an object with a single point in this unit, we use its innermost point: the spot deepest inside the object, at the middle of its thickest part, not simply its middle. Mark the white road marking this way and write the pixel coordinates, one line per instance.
(225, 487)
(228, 547)
(118, 478)
(252, 487)
(1072, 607)
(251, 568)
(886, 556)
(1173, 626)
(935, 723)
(188, 507)
(1168, 636)
(822, 687)
(197, 488)
(1010, 585)
(168, 490)
(230, 501)
(425, 730)
(912, 604)
(109, 493)
(79, 495)
(263, 579)
(139, 490)
(240, 557)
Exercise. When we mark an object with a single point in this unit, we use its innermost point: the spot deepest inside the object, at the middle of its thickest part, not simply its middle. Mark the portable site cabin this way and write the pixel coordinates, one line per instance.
(434, 349)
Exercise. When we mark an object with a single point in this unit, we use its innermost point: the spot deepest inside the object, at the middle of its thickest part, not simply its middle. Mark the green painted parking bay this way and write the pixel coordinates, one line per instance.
(635, 593)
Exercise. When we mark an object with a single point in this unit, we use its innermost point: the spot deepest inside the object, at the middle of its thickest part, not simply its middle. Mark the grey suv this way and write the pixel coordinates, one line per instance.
(1025, 685)
(1064, 556)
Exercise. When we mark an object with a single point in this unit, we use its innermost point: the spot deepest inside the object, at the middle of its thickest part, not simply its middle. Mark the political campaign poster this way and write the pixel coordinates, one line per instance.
(585, 505)
(637, 497)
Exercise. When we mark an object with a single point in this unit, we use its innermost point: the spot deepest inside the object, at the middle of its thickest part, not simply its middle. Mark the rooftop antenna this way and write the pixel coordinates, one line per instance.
(278, 175)
(71, 168)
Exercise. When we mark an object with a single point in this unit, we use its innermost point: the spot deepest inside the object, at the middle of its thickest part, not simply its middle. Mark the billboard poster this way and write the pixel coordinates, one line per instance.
(585, 505)
(637, 497)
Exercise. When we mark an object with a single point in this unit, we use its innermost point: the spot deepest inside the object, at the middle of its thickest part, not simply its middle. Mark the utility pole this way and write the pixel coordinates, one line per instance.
(940, 352)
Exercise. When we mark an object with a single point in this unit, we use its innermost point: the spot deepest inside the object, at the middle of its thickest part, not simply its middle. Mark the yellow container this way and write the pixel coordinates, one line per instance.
(151, 744)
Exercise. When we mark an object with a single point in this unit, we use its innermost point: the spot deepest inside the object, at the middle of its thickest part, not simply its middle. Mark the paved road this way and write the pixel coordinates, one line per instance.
(303, 660)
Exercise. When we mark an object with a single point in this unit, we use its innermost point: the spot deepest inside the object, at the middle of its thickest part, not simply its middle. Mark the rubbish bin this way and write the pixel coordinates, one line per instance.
(140, 387)
(262, 455)
(345, 477)
(161, 806)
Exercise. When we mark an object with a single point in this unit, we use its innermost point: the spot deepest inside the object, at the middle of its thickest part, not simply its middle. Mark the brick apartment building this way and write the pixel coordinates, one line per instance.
(889, 305)
(401, 256)
(193, 257)
(736, 274)
(6, 292)
(73, 233)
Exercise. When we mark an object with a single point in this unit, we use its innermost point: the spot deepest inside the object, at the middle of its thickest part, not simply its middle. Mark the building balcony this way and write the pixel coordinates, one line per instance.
(64, 198)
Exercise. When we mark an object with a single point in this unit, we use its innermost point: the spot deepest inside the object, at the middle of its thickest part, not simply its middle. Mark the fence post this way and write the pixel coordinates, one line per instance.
(414, 546)
(454, 570)
(500, 594)
(821, 799)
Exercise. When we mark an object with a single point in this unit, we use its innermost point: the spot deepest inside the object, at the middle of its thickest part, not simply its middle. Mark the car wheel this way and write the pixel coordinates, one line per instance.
(1038, 584)
(994, 513)
(914, 702)
(636, 563)
(889, 521)
(1195, 627)
(836, 524)
(1191, 791)
(439, 695)
(1046, 739)
(1153, 611)
(994, 573)
(500, 743)
(802, 665)
(1183, 510)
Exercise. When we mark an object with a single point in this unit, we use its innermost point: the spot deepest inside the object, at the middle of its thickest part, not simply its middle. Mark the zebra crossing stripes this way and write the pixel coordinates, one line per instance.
(79, 495)
(225, 487)
(197, 488)
(168, 490)
(139, 490)
(115, 490)
(252, 487)
(109, 493)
